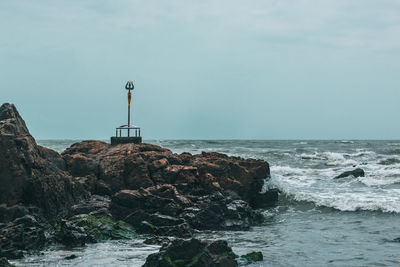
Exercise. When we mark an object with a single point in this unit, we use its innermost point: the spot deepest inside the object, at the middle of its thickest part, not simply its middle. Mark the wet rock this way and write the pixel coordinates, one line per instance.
(4, 263)
(158, 240)
(253, 257)
(355, 173)
(24, 233)
(71, 257)
(193, 252)
(265, 200)
(84, 228)
(71, 234)
(166, 210)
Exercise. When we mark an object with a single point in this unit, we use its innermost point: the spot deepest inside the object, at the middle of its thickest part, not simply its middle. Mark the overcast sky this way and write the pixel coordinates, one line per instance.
(227, 69)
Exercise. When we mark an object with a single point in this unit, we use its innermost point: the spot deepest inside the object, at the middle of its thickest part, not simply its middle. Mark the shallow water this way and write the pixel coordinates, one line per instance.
(320, 221)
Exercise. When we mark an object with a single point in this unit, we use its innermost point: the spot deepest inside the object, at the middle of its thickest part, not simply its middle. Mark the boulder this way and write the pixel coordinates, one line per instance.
(31, 174)
(355, 173)
(193, 252)
(164, 207)
(24, 233)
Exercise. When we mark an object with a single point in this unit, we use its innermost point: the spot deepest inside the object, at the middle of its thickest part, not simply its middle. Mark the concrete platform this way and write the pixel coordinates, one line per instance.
(126, 140)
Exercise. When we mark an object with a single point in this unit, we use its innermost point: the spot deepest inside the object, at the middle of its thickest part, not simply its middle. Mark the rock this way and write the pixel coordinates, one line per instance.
(154, 190)
(83, 228)
(31, 174)
(158, 240)
(24, 233)
(71, 257)
(134, 166)
(167, 211)
(71, 234)
(253, 257)
(4, 263)
(193, 252)
(265, 200)
(355, 173)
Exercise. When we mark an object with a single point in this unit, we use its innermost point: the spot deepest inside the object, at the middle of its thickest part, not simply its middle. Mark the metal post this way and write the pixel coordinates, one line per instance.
(129, 115)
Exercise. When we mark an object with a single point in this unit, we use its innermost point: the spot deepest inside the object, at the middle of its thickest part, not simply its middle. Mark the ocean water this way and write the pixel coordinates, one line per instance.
(319, 221)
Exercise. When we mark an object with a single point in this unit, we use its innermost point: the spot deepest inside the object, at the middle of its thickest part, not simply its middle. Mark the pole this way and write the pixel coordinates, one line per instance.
(129, 111)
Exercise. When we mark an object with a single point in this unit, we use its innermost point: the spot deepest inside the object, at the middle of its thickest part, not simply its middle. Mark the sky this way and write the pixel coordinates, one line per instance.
(209, 69)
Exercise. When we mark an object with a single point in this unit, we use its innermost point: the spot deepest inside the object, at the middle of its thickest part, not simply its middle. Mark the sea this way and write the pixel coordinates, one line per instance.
(318, 221)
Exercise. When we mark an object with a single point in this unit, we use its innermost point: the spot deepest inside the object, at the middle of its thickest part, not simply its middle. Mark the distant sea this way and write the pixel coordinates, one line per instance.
(319, 221)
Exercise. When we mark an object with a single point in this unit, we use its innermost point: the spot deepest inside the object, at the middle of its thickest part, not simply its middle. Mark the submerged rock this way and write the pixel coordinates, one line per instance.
(193, 252)
(253, 257)
(356, 173)
(71, 257)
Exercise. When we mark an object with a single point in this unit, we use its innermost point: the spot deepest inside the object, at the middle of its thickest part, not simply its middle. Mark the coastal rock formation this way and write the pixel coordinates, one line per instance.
(169, 211)
(94, 191)
(134, 166)
(355, 173)
(193, 252)
(29, 173)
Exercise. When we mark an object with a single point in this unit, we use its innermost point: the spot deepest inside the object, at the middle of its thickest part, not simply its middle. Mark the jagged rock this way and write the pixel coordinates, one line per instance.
(24, 233)
(193, 252)
(153, 189)
(355, 173)
(31, 174)
(134, 166)
(164, 207)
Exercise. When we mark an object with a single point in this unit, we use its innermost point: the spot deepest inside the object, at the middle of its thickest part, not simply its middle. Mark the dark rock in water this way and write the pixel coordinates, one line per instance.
(24, 233)
(4, 263)
(253, 257)
(356, 173)
(72, 235)
(266, 199)
(397, 240)
(193, 252)
(389, 161)
(84, 228)
(71, 257)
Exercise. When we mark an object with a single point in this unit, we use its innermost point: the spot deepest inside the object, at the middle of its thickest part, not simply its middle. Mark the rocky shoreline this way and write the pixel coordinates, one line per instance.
(94, 191)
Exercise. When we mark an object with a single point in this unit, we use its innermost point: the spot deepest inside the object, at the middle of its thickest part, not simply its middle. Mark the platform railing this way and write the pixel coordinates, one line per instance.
(119, 130)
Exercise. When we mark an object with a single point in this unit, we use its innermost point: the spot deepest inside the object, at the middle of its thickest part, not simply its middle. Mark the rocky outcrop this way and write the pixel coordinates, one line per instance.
(355, 173)
(193, 252)
(134, 166)
(170, 212)
(79, 196)
(34, 187)
(31, 174)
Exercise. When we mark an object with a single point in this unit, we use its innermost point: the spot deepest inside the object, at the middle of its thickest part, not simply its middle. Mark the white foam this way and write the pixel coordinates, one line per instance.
(349, 194)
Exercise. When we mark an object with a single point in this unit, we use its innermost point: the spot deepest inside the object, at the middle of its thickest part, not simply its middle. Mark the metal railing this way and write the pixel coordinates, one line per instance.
(128, 129)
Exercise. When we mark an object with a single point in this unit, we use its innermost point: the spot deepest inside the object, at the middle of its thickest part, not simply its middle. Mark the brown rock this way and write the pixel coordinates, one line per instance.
(31, 174)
